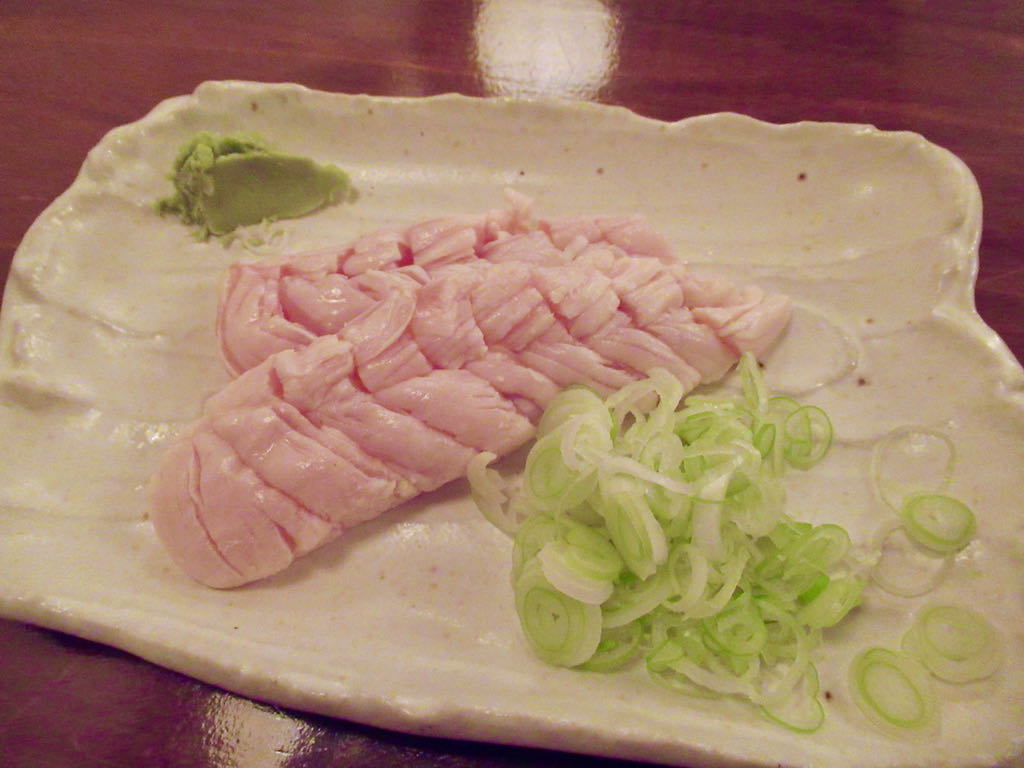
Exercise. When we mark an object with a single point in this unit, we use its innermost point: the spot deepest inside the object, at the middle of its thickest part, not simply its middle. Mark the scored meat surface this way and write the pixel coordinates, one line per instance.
(373, 374)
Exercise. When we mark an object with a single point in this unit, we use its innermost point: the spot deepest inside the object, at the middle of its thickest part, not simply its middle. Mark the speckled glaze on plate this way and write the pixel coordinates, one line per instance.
(108, 350)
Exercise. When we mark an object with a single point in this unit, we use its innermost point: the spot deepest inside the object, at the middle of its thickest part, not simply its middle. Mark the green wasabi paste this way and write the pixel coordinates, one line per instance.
(224, 182)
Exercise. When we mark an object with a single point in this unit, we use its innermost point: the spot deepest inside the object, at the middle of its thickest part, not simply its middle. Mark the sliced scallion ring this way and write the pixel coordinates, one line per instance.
(687, 570)
(634, 598)
(536, 531)
(491, 492)
(904, 568)
(557, 562)
(910, 460)
(956, 644)
(808, 436)
(736, 630)
(570, 402)
(632, 526)
(551, 484)
(894, 691)
(801, 709)
(581, 562)
(755, 393)
(939, 522)
(562, 631)
(618, 646)
(836, 599)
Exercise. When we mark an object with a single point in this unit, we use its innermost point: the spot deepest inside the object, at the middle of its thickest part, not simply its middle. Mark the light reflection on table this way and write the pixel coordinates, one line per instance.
(527, 49)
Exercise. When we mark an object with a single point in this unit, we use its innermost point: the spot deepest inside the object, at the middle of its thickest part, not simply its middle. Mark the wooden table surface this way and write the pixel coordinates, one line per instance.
(70, 71)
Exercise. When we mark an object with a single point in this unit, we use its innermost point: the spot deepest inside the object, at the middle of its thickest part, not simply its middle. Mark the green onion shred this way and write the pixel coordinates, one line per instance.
(938, 522)
(652, 529)
(894, 691)
(956, 644)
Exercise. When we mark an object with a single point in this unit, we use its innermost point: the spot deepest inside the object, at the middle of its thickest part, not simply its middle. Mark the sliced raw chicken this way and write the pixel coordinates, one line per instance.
(270, 306)
(377, 373)
(294, 452)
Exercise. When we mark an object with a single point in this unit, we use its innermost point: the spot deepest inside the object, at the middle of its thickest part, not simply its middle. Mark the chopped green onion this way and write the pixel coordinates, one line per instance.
(956, 644)
(633, 402)
(581, 562)
(536, 531)
(808, 433)
(617, 647)
(722, 583)
(837, 597)
(657, 529)
(894, 691)
(911, 460)
(491, 493)
(570, 402)
(687, 570)
(769, 428)
(764, 438)
(904, 568)
(940, 523)
(755, 392)
(555, 560)
(552, 484)
(561, 630)
(631, 524)
(634, 598)
(737, 629)
(801, 709)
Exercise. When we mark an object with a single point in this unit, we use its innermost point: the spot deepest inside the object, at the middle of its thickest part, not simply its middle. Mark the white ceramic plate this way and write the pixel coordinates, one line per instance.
(407, 623)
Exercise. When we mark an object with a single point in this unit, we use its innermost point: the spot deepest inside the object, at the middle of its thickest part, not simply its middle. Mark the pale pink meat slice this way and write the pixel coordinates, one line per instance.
(384, 352)
(496, 426)
(306, 387)
(584, 298)
(443, 324)
(564, 360)
(237, 501)
(174, 512)
(323, 305)
(382, 249)
(493, 225)
(751, 325)
(507, 307)
(294, 452)
(425, 457)
(631, 233)
(534, 246)
(290, 456)
(451, 247)
(697, 344)
(251, 323)
(637, 350)
(527, 388)
(646, 287)
(629, 270)
(393, 365)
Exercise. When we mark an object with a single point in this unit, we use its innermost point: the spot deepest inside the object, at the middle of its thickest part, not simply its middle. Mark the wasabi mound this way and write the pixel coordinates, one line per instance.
(225, 182)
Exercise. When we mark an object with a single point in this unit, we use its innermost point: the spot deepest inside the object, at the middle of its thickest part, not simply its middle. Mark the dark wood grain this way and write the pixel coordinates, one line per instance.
(70, 71)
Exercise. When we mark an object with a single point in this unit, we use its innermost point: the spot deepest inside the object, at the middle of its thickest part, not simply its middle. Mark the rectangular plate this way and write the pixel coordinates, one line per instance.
(108, 350)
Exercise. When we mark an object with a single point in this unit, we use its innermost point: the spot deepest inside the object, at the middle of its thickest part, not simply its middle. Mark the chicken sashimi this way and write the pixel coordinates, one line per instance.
(267, 306)
(294, 452)
(434, 368)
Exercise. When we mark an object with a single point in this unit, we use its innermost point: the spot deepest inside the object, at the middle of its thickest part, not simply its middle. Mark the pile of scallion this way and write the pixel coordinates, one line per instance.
(649, 527)
(652, 527)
